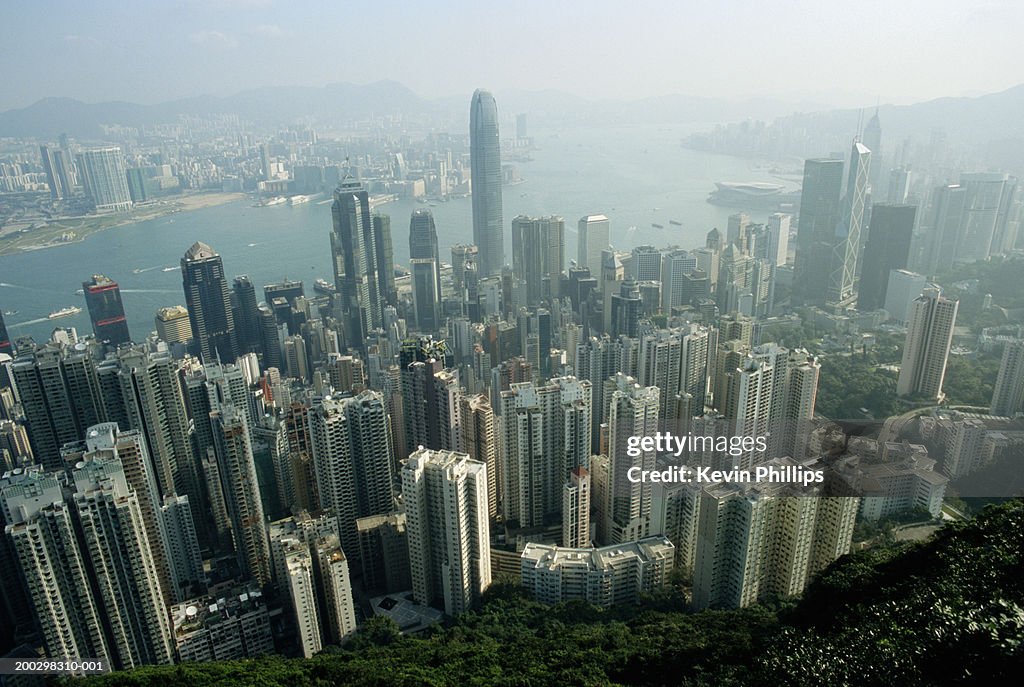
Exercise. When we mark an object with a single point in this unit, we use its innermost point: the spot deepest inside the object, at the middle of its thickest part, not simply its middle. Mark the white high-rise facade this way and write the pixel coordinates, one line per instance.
(105, 179)
(576, 509)
(929, 338)
(1008, 393)
(904, 287)
(632, 411)
(115, 542)
(301, 589)
(546, 432)
(42, 534)
(237, 469)
(353, 460)
(778, 238)
(447, 527)
(593, 236)
(761, 540)
(337, 590)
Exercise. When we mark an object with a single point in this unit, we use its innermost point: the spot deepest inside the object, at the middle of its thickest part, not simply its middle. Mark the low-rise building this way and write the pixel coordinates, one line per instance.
(605, 576)
(231, 626)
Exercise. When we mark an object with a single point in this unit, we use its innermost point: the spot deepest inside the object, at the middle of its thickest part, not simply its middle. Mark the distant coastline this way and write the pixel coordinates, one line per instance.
(54, 233)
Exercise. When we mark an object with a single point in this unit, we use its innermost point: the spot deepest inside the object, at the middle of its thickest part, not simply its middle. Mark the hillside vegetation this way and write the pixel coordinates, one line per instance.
(947, 611)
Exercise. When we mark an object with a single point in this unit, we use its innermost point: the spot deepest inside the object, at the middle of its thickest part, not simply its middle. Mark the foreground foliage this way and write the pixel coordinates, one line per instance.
(948, 611)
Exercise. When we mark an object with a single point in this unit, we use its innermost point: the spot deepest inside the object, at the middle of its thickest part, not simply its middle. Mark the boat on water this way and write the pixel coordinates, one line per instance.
(276, 200)
(137, 270)
(298, 200)
(10, 312)
(64, 312)
(322, 286)
(172, 269)
(675, 223)
(657, 226)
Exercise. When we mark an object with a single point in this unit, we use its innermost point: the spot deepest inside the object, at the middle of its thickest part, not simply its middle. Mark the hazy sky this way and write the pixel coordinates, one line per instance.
(146, 51)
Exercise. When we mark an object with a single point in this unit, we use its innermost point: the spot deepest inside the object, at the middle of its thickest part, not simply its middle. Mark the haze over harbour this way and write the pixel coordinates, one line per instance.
(637, 175)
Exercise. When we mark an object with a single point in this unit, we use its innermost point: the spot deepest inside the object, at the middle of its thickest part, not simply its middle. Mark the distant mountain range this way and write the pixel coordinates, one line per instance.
(50, 117)
(976, 120)
(979, 120)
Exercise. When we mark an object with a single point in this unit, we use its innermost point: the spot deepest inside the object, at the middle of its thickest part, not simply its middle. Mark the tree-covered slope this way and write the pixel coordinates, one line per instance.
(949, 611)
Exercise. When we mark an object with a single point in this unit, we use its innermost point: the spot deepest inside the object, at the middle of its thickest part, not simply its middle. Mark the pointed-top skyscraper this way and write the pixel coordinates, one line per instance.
(872, 138)
(209, 304)
(847, 244)
(485, 160)
(355, 254)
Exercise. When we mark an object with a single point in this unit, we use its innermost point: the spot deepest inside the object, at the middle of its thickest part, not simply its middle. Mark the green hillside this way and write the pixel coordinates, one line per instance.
(948, 611)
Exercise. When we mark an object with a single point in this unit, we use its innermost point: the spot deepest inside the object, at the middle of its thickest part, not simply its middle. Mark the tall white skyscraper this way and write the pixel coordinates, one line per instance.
(750, 390)
(597, 359)
(593, 236)
(757, 541)
(1008, 393)
(237, 469)
(847, 242)
(676, 361)
(353, 460)
(545, 434)
(576, 509)
(904, 287)
(676, 266)
(42, 534)
(447, 528)
(115, 542)
(646, 264)
(301, 589)
(632, 411)
(926, 350)
(105, 179)
(183, 554)
(106, 442)
(337, 590)
(778, 238)
(485, 161)
(478, 437)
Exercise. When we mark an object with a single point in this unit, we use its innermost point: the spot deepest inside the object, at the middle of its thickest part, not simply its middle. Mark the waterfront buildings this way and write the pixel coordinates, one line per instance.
(5, 340)
(485, 161)
(106, 312)
(538, 256)
(173, 325)
(356, 255)
(593, 238)
(423, 242)
(106, 182)
(208, 300)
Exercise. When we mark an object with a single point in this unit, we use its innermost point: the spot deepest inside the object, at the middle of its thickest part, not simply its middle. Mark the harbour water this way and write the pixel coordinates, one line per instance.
(636, 176)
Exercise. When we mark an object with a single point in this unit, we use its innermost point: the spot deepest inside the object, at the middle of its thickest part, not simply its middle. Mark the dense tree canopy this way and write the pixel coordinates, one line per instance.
(948, 611)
